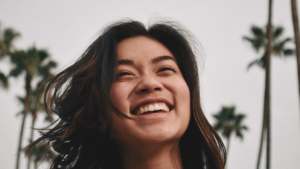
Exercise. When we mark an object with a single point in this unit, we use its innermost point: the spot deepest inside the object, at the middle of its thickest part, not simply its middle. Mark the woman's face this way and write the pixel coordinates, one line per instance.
(151, 90)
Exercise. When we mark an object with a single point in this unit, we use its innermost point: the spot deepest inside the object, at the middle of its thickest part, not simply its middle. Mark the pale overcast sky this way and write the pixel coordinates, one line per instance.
(66, 28)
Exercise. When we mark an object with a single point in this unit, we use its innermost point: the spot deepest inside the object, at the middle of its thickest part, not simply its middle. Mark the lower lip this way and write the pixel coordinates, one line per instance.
(159, 114)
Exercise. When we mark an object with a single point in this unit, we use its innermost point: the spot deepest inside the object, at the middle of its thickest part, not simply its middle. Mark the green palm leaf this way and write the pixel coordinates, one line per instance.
(257, 31)
(259, 62)
(8, 36)
(289, 52)
(277, 32)
(3, 80)
(257, 44)
(15, 72)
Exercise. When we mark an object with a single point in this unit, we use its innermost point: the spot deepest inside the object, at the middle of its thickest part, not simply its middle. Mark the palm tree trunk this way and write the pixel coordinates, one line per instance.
(31, 137)
(261, 140)
(297, 37)
(228, 144)
(26, 108)
(267, 87)
(227, 148)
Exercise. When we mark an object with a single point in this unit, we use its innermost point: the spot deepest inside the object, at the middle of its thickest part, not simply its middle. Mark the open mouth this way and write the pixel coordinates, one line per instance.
(152, 108)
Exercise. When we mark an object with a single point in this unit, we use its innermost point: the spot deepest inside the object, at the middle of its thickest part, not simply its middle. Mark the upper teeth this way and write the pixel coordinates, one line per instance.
(152, 107)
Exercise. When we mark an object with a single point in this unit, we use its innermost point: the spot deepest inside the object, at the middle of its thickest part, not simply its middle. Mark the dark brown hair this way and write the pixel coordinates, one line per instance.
(80, 96)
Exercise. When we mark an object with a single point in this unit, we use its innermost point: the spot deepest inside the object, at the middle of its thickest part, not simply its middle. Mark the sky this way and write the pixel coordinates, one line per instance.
(66, 28)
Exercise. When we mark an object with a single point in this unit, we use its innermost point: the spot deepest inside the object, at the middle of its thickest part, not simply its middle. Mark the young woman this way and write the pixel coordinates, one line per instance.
(132, 101)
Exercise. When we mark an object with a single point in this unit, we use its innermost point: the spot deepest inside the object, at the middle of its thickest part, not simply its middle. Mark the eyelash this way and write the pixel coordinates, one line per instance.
(124, 73)
(166, 68)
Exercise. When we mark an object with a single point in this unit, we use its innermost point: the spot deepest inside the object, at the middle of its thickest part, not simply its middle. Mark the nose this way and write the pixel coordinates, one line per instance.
(148, 84)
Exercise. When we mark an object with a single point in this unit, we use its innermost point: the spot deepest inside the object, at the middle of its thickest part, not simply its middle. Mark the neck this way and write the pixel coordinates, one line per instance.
(152, 157)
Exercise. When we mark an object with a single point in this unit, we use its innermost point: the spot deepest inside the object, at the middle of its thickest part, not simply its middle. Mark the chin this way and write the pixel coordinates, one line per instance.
(159, 136)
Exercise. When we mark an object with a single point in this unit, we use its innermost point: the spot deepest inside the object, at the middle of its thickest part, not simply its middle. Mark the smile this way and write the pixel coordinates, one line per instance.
(152, 108)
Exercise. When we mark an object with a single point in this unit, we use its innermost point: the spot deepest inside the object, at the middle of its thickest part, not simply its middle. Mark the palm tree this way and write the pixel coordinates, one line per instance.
(7, 37)
(297, 37)
(271, 43)
(29, 63)
(37, 104)
(229, 122)
(259, 41)
(42, 152)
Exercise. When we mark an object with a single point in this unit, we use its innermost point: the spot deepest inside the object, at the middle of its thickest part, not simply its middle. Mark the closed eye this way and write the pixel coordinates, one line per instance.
(124, 74)
(166, 69)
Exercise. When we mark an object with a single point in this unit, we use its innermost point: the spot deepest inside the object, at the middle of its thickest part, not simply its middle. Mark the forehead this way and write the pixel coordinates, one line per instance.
(140, 48)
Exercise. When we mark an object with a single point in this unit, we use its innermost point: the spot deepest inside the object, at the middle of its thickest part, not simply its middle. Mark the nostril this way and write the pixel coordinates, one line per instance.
(157, 88)
(144, 90)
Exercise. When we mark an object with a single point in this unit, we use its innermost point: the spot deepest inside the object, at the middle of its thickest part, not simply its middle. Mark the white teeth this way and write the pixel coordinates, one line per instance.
(166, 108)
(161, 107)
(153, 107)
(142, 110)
(157, 107)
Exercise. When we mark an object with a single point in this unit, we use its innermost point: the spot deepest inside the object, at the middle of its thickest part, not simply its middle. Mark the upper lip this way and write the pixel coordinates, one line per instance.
(153, 100)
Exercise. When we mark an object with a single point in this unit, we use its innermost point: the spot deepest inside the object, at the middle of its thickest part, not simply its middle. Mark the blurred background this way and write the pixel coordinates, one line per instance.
(41, 38)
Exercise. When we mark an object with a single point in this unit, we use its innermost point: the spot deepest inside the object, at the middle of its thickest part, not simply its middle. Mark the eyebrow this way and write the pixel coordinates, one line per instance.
(161, 58)
(125, 62)
(155, 60)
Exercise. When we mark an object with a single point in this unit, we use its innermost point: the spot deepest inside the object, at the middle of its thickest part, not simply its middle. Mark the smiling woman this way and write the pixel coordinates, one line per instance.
(132, 101)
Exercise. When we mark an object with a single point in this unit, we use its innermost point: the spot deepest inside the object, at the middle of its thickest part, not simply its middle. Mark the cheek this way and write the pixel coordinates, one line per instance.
(181, 96)
(180, 90)
(119, 94)
(182, 100)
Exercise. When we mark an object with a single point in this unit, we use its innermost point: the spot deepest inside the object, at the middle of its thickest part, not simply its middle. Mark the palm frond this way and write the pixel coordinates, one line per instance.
(239, 118)
(3, 80)
(17, 56)
(244, 127)
(21, 99)
(259, 62)
(289, 52)
(277, 32)
(256, 44)
(279, 47)
(51, 64)
(257, 31)
(43, 54)
(285, 41)
(15, 72)
(218, 126)
(216, 116)
(19, 113)
(239, 134)
(10, 35)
